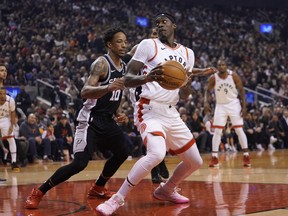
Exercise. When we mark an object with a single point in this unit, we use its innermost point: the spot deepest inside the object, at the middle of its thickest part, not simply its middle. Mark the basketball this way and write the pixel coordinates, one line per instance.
(174, 75)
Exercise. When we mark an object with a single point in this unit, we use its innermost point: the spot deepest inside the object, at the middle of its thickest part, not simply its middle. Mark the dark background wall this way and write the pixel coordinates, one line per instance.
(247, 3)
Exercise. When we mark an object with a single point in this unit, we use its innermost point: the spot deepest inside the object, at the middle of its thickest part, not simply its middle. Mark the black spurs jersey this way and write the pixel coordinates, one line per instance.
(109, 103)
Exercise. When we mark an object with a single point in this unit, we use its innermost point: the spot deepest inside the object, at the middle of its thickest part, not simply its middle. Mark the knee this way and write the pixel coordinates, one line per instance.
(79, 165)
(194, 164)
(156, 157)
(198, 163)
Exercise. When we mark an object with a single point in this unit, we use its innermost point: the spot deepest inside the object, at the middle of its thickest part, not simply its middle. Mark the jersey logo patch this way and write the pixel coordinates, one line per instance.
(142, 127)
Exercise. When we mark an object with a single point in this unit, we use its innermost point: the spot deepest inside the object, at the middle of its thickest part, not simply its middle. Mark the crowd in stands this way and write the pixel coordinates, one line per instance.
(56, 42)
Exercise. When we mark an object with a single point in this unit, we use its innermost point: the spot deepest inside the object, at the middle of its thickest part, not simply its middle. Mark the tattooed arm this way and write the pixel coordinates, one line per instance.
(99, 69)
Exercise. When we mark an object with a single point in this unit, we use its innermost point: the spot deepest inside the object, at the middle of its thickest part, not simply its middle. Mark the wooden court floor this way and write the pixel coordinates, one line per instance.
(229, 190)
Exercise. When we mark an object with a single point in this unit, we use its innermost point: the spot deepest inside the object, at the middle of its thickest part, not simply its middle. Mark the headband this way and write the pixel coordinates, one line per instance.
(169, 16)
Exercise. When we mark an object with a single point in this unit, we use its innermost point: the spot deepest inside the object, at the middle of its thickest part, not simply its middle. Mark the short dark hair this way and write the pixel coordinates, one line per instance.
(2, 63)
(166, 14)
(109, 34)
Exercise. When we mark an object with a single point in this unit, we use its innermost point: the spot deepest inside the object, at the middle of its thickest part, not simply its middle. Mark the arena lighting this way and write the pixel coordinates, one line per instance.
(250, 97)
(142, 21)
(266, 28)
(13, 91)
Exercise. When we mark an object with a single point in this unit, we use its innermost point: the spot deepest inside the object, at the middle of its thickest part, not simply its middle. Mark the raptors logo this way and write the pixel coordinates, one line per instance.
(142, 127)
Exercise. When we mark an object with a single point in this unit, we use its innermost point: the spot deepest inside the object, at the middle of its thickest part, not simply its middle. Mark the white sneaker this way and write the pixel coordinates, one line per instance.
(227, 147)
(110, 206)
(271, 147)
(173, 197)
(234, 149)
(273, 139)
(259, 147)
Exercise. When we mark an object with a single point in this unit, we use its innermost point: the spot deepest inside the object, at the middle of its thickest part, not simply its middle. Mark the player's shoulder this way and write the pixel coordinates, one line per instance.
(147, 41)
(99, 60)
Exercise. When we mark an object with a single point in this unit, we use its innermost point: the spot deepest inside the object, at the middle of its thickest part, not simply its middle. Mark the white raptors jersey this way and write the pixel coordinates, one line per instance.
(151, 52)
(7, 107)
(225, 89)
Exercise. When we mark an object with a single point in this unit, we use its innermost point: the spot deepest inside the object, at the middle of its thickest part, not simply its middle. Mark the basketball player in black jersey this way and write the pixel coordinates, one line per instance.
(97, 121)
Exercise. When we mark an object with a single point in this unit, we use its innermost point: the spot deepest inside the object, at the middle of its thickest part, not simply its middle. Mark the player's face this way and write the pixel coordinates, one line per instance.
(165, 27)
(2, 96)
(222, 67)
(3, 73)
(119, 44)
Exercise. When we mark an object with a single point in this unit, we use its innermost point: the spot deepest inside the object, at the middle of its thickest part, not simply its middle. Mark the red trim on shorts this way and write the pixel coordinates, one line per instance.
(183, 149)
(145, 141)
(141, 102)
(217, 126)
(155, 52)
(6, 137)
(237, 126)
(158, 133)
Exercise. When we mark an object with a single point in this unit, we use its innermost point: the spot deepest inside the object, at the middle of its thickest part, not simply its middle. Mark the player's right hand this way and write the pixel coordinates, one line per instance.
(156, 74)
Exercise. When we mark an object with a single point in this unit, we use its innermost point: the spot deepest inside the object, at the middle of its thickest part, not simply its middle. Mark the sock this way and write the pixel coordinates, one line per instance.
(101, 181)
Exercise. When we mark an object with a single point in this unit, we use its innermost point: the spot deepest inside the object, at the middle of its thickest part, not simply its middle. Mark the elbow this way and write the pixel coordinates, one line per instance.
(83, 93)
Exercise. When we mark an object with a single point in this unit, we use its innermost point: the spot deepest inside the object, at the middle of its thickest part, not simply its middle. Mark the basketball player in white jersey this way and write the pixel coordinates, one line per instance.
(3, 75)
(157, 118)
(7, 121)
(160, 171)
(230, 102)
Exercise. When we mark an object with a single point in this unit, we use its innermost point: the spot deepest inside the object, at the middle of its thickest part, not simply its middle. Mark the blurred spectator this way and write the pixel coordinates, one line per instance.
(210, 132)
(57, 97)
(37, 148)
(64, 136)
(229, 136)
(249, 129)
(284, 124)
(276, 133)
(258, 130)
(49, 134)
(23, 99)
(198, 130)
(22, 144)
(72, 90)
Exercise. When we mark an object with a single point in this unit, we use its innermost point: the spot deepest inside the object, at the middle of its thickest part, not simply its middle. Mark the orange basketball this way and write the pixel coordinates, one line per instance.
(174, 75)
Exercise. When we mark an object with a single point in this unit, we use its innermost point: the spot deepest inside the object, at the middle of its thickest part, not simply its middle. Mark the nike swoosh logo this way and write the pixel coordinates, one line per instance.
(100, 194)
(113, 71)
(163, 48)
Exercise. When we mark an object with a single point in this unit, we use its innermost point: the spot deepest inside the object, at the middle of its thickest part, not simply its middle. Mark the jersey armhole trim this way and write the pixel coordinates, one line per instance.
(155, 52)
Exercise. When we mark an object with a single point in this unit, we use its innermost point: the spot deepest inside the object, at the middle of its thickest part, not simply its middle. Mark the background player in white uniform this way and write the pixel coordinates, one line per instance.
(3, 75)
(230, 102)
(157, 118)
(7, 121)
